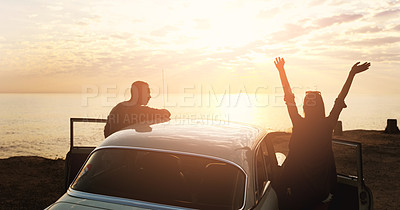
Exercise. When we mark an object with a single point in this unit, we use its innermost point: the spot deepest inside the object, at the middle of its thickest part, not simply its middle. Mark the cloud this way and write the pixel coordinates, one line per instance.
(289, 32)
(302, 27)
(270, 13)
(82, 23)
(338, 2)
(123, 36)
(332, 41)
(202, 24)
(388, 13)
(354, 54)
(366, 29)
(396, 28)
(377, 41)
(338, 19)
(32, 16)
(164, 30)
(88, 20)
(316, 2)
(54, 7)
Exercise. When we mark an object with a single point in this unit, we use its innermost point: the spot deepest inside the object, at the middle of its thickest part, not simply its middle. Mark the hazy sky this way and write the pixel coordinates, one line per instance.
(68, 46)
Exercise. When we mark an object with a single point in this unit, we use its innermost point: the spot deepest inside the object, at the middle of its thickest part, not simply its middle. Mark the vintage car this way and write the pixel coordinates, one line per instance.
(181, 164)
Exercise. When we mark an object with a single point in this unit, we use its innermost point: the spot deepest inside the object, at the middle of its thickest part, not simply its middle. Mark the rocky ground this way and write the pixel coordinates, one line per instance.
(30, 182)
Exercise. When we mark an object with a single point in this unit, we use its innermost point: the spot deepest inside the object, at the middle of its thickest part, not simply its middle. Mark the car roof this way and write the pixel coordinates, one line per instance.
(225, 140)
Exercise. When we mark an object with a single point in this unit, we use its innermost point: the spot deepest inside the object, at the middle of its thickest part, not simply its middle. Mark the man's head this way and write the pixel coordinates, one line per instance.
(313, 106)
(140, 93)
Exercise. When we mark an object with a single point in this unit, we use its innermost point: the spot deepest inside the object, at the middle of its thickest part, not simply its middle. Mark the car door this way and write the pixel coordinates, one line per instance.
(351, 191)
(265, 195)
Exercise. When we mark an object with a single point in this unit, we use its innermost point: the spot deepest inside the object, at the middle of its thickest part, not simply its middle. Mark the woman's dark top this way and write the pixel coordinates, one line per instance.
(309, 168)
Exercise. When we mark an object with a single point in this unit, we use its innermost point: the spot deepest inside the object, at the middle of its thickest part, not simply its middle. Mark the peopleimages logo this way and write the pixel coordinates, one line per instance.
(195, 96)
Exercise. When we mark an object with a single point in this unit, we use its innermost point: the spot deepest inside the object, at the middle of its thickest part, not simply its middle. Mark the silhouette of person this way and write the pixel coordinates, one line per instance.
(309, 173)
(134, 111)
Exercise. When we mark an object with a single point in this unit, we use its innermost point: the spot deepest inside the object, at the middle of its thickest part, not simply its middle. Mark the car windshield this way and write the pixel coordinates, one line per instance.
(165, 178)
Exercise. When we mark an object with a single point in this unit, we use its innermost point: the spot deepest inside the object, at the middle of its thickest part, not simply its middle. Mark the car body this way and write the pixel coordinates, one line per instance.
(190, 164)
(178, 164)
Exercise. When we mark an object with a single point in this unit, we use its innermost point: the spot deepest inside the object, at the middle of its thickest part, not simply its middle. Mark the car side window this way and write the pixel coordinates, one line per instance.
(267, 160)
(261, 173)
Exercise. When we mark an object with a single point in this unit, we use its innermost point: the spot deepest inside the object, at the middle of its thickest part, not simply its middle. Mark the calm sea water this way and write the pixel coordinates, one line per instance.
(38, 124)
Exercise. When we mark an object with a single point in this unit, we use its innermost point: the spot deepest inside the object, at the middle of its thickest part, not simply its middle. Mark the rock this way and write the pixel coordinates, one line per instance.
(391, 127)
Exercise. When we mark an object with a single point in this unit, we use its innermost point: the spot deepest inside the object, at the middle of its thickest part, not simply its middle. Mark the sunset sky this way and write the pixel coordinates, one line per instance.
(66, 46)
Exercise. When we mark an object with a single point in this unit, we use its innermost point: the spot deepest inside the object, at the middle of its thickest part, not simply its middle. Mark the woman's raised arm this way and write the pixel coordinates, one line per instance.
(339, 103)
(289, 96)
(279, 64)
(354, 70)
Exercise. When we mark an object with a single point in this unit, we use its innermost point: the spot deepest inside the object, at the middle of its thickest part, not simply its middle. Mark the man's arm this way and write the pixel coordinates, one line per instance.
(157, 115)
(165, 113)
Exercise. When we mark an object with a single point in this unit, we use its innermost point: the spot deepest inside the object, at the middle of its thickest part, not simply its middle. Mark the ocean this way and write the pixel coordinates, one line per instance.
(38, 124)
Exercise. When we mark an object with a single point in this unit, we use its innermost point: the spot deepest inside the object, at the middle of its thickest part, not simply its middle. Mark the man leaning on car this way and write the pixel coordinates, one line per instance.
(134, 111)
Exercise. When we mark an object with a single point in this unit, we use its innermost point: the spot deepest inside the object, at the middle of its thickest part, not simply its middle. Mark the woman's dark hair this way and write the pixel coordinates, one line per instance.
(313, 106)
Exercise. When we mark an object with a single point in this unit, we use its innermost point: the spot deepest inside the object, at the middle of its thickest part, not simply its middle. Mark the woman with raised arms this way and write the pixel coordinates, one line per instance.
(309, 173)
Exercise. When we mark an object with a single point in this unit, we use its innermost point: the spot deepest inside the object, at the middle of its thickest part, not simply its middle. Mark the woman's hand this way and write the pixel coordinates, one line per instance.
(359, 68)
(279, 63)
(354, 70)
